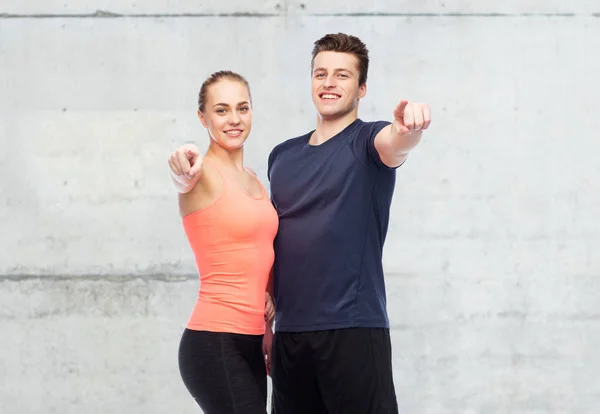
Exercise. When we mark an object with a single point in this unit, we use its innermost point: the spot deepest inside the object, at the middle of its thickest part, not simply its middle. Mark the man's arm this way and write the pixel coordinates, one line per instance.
(185, 164)
(395, 141)
(268, 345)
(269, 301)
(270, 283)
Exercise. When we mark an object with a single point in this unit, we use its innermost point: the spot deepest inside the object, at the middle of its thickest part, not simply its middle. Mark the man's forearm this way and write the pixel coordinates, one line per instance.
(402, 144)
(393, 147)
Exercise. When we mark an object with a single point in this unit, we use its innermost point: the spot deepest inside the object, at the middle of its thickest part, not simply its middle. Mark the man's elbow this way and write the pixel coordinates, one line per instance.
(390, 154)
(395, 160)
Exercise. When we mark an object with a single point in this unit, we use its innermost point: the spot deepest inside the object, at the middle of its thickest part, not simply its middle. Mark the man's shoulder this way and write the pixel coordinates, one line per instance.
(370, 127)
(290, 143)
(287, 145)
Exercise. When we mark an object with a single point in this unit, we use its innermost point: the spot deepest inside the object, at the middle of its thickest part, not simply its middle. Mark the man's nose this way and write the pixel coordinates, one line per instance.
(329, 81)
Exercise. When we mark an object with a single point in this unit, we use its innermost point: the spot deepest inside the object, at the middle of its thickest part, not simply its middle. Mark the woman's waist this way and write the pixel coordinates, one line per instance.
(232, 299)
(222, 279)
(228, 314)
(234, 259)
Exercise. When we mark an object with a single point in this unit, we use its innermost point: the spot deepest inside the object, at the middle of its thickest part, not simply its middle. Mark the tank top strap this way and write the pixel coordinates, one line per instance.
(250, 171)
(216, 165)
(229, 182)
(222, 174)
(225, 179)
(262, 187)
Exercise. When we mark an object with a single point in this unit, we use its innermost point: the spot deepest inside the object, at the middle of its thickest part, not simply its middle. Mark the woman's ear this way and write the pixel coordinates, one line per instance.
(202, 120)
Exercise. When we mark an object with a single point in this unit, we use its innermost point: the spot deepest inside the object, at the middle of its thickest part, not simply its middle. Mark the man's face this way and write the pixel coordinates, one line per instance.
(335, 89)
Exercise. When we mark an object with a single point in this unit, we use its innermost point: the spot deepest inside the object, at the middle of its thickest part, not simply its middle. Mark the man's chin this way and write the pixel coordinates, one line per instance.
(330, 113)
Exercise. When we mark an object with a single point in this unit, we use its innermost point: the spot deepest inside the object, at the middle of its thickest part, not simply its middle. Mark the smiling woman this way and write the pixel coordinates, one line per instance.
(230, 224)
(229, 114)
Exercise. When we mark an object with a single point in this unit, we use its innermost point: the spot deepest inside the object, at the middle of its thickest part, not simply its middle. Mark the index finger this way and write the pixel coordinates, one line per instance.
(399, 111)
(183, 162)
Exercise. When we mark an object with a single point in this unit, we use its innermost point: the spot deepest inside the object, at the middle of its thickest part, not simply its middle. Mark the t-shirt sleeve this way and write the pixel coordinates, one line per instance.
(272, 156)
(270, 162)
(365, 145)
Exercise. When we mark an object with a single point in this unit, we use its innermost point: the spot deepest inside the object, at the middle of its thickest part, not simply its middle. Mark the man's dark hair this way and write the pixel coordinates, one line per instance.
(344, 43)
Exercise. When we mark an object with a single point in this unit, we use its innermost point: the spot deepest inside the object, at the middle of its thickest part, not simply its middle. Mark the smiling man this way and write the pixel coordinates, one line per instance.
(332, 189)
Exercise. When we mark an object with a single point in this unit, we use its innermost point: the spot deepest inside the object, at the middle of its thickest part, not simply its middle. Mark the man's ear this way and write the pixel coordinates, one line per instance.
(362, 91)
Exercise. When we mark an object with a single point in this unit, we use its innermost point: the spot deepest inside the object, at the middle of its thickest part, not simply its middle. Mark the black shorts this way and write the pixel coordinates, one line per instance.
(342, 371)
(224, 372)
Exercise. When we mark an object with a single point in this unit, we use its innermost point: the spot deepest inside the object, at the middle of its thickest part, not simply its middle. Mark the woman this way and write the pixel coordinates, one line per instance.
(230, 224)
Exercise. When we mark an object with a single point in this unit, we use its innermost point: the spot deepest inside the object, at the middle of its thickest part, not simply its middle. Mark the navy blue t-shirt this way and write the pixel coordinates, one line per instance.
(333, 202)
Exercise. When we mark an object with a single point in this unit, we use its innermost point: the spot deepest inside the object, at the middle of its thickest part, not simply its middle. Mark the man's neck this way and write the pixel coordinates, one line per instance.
(327, 128)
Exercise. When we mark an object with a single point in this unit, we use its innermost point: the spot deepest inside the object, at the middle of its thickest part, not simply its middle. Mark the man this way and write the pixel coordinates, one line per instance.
(332, 189)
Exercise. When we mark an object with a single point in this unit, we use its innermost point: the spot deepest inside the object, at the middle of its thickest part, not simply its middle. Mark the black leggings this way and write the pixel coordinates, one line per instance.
(224, 372)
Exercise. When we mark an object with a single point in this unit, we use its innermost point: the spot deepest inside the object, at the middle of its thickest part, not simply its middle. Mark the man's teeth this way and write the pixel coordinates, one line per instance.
(328, 96)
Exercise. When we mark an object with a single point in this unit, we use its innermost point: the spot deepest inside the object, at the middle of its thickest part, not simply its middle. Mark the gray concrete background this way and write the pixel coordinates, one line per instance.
(492, 255)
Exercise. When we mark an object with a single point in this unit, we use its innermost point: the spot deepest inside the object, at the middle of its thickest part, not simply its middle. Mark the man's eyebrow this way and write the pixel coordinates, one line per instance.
(335, 70)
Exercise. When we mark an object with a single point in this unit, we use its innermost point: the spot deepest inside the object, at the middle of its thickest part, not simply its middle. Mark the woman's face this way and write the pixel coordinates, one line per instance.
(227, 113)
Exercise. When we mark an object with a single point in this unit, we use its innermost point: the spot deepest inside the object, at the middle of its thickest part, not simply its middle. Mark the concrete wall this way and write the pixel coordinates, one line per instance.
(492, 255)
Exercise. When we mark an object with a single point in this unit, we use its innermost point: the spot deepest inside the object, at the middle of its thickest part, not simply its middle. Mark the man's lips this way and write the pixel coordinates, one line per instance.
(329, 96)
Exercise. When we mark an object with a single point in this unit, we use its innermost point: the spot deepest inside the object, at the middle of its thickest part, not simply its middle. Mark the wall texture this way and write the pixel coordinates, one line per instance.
(492, 255)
